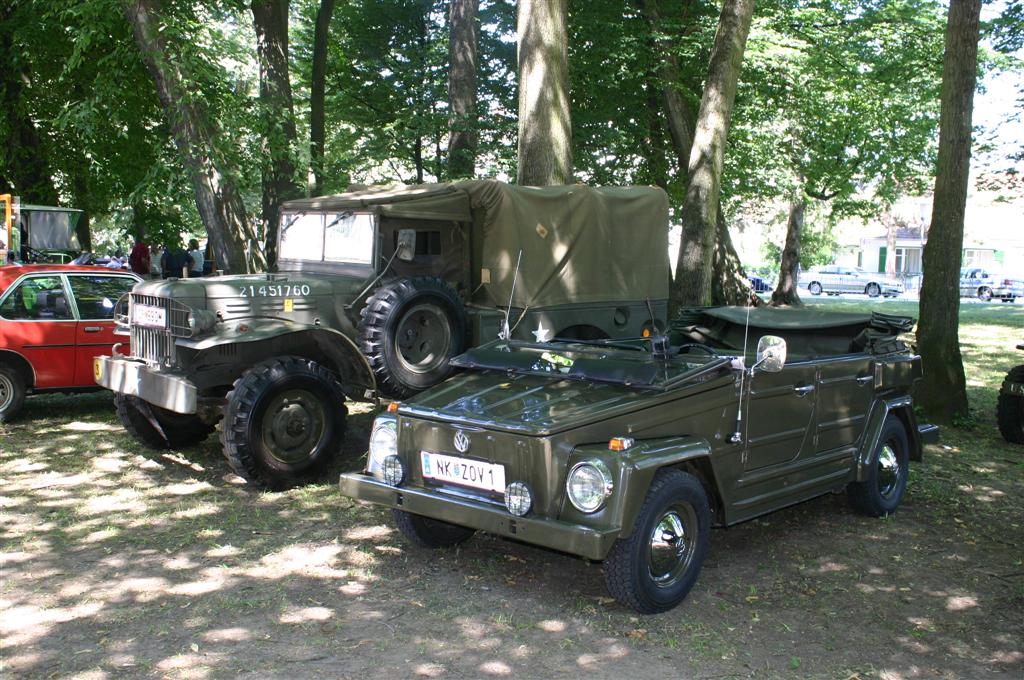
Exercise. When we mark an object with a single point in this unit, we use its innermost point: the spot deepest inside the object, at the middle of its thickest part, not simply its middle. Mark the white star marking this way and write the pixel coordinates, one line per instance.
(542, 334)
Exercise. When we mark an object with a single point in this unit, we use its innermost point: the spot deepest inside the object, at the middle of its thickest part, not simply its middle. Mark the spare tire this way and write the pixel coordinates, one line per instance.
(409, 331)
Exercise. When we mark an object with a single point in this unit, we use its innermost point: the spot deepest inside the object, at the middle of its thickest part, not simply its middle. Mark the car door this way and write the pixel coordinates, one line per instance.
(38, 324)
(845, 390)
(95, 296)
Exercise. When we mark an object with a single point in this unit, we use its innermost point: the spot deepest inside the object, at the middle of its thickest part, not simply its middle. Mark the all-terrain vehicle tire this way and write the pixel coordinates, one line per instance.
(1010, 409)
(656, 566)
(284, 422)
(409, 331)
(12, 392)
(424, 532)
(814, 288)
(888, 468)
(157, 428)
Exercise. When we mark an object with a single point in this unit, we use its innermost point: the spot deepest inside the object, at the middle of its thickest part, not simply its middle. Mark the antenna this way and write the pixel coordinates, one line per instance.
(737, 436)
(506, 332)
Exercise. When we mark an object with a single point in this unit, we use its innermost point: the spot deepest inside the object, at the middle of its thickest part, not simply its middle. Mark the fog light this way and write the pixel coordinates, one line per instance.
(518, 498)
(394, 470)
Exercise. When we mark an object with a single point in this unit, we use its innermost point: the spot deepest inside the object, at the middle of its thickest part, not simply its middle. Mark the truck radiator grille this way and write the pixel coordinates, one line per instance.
(156, 345)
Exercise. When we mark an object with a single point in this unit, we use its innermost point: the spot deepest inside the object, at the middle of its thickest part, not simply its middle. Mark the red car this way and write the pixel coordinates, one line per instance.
(53, 320)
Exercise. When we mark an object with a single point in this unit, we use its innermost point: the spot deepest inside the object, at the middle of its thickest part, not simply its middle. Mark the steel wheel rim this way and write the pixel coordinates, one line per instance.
(423, 339)
(294, 426)
(672, 545)
(889, 471)
(6, 392)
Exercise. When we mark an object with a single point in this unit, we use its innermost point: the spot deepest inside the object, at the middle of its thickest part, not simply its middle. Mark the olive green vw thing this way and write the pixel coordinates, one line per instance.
(378, 289)
(630, 451)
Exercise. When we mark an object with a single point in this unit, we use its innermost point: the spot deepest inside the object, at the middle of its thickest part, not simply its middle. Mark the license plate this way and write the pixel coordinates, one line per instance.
(462, 471)
(149, 316)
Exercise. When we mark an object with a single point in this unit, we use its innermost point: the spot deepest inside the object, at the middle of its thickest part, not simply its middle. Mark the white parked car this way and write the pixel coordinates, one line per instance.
(985, 285)
(834, 279)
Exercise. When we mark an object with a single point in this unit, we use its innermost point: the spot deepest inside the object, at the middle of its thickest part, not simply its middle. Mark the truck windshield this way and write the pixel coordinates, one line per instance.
(635, 368)
(344, 237)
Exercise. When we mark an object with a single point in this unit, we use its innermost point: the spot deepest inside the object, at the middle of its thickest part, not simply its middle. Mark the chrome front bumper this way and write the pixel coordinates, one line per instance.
(136, 378)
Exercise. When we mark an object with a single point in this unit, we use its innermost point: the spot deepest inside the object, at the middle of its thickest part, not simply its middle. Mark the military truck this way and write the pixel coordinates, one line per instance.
(629, 451)
(378, 289)
(1010, 405)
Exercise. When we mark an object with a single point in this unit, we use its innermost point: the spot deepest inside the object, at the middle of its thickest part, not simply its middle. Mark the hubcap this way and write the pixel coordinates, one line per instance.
(424, 339)
(888, 471)
(6, 392)
(294, 426)
(672, 545)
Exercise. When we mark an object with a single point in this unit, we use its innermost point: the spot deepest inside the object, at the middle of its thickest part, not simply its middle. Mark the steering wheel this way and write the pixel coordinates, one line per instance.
(685, 347)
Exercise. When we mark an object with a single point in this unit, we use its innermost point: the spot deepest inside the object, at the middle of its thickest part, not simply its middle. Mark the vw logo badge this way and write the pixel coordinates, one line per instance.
(461, 441)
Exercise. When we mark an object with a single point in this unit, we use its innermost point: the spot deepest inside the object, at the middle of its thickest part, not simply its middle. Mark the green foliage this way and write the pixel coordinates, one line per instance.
(818, 242)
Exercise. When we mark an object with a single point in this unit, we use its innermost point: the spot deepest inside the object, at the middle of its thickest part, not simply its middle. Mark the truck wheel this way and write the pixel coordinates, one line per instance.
(984, 293)
(157, 428)
(284, 422)
(872, 290)
(814, 288)
(1010, 409)
(656, 566)
(12, 393)
(882, 491)
(409, 332)
(424, 532)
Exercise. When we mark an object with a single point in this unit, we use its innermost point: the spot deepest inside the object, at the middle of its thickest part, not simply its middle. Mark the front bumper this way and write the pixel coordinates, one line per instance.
(136, 378)
(571, 538)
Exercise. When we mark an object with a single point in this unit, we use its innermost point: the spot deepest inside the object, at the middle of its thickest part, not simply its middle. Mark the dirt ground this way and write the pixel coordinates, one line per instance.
(120, 562)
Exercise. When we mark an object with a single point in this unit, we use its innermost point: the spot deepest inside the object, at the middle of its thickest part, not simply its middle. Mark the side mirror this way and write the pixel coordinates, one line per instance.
(406, 248)
(771, 354)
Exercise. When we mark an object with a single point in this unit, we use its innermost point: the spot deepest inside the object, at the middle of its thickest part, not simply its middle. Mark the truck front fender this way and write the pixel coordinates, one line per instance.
(903, 408)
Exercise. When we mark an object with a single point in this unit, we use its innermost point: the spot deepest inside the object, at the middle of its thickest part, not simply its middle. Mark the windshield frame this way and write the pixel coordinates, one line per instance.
(357, 269)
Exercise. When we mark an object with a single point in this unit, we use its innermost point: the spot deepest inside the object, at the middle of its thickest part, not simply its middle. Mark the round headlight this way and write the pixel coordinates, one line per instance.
(383, 443)
(518, 498)
(588, 485)
(394, 470)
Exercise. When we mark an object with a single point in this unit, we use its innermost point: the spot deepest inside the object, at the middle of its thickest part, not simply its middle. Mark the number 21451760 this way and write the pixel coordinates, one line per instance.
(274, 290)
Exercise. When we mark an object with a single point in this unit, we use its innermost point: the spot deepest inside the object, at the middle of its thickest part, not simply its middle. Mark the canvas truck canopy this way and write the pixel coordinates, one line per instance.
(579, 244)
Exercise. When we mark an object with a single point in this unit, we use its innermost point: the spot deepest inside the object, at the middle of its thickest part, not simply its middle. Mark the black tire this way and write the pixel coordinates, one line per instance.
(984, 293)
(872, 290)
(1010, 409)
(12, 392)
(424, 532)
(157, 428)
(284, 422)
(880, 494)
(676, 501)
(410, 330)
(1006, 299)
(814, 288)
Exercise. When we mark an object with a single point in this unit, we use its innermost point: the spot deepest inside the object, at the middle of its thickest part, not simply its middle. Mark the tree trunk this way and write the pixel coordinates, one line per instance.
(729, 286)
(942, 391)
(316, 98)
(217, 198)
(545, 129)
(462, 42)
(785, 292)
(270, 19)
(692, 283)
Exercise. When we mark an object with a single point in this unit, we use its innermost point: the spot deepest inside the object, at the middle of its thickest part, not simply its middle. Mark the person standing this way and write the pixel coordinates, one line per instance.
(138, 259)
(175, 262)
(197, 259)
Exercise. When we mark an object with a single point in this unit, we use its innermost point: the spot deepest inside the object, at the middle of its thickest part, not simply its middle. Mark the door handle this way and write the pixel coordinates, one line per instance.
(864, 379)
(803, 390)
(92, 329)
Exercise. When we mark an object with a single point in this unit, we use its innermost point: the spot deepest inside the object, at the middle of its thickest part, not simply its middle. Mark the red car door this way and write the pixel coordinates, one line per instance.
(38, 324)
(95, 296)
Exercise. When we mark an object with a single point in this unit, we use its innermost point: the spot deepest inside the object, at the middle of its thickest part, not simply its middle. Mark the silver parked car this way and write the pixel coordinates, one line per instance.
(985, 285)
(834, 279)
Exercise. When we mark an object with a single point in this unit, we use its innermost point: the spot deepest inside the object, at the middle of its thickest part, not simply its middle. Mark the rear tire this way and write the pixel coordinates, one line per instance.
(984, 293)
(880, 494)
(284, 422)
(654, 568)
(1010, 409)
(12, 393)
(872, 290)
(814, 288)
(424, 532)
(157, 428)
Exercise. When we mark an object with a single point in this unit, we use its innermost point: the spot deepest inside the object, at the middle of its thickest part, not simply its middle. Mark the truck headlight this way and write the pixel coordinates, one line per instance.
(383, 443)
(589, 484)
(201, 320)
